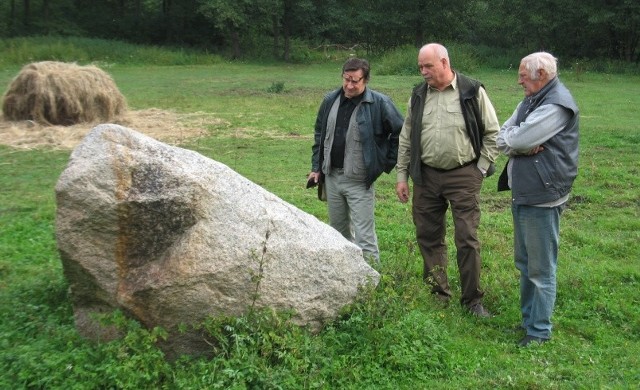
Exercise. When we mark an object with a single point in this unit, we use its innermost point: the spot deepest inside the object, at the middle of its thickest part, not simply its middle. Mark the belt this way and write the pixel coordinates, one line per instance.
(452, 169)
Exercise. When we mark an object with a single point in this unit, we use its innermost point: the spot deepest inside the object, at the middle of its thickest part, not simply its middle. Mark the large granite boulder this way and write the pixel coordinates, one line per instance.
(171, 237)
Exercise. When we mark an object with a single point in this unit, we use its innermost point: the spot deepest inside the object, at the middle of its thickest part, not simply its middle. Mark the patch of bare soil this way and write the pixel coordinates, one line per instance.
(165, 126)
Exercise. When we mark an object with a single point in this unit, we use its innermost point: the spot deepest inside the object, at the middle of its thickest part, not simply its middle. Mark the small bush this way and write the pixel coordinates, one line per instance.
(402, 61)
(276, 87)
(413, 346)
(463, 57)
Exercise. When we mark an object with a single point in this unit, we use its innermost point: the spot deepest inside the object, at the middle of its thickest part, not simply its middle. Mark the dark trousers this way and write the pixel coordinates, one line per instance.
(459, 188)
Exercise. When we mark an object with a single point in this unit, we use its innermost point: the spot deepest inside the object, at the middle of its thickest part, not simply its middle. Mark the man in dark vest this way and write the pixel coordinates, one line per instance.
(447, 147)
(541, 140)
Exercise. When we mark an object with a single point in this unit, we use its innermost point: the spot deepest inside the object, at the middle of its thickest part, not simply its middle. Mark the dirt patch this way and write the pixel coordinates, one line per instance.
(165, 126)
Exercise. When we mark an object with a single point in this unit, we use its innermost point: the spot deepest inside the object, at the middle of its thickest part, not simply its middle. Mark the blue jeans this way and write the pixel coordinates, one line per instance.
(536, 238)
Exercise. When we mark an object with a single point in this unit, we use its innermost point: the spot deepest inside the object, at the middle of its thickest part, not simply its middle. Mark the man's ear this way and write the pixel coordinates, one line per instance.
(542, 74)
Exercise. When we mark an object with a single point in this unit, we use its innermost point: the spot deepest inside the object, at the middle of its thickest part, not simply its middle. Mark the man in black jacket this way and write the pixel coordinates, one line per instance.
(356, 140)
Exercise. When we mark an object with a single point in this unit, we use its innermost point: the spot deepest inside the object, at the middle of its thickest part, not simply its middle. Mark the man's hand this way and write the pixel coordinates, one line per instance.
(315, 176)
(402, 190)
(535, 150)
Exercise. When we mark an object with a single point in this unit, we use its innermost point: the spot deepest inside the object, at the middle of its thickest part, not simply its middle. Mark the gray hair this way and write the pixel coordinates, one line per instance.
(540, 60)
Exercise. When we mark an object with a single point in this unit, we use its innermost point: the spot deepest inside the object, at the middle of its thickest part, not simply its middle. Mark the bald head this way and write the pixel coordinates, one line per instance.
(436, 50)
(433, 63)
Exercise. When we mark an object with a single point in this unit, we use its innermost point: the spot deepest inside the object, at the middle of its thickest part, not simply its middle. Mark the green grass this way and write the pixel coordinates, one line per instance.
(102, 52)
(397, 337)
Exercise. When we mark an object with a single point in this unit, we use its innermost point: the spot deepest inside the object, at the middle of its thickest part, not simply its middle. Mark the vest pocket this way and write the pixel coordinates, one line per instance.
(544, 174)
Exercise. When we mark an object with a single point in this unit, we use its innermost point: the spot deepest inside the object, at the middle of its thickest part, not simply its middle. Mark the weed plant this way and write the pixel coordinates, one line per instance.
(396, 336)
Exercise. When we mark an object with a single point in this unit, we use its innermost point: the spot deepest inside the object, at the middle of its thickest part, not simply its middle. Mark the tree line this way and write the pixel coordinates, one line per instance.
(587, 29)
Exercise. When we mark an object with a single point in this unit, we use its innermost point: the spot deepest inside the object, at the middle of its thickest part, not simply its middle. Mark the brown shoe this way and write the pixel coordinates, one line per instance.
(479, 311)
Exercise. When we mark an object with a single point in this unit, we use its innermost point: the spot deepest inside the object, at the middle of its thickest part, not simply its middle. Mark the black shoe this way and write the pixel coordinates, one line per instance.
(479, 311)
(526, 340)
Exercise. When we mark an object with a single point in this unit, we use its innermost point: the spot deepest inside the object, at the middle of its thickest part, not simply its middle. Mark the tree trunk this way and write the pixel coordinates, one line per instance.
(45, 15)
(12, 16)
(138, 13)
(286, 27)
(235, 42)
(276, 35)
(286, 55)
(26, 21)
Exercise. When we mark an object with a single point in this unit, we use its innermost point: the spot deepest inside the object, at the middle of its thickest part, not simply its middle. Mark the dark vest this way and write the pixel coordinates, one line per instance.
(548, 175)
(468, 89)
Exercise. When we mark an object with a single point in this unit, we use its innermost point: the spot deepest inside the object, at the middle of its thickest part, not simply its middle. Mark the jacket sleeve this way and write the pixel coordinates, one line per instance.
(393, 121)
(542, 124)
(318, 133)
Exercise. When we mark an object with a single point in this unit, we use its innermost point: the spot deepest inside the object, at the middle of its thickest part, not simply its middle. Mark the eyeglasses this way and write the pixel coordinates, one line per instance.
(351, 80)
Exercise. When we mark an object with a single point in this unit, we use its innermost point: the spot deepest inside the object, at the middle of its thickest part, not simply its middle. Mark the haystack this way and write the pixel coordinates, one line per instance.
(58, 93)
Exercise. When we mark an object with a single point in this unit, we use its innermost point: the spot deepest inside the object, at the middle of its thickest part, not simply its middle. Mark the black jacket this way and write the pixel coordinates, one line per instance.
(379, 122)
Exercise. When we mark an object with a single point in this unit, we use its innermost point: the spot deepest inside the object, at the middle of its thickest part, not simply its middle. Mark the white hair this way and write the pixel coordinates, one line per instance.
(540, 60)
(440, 51)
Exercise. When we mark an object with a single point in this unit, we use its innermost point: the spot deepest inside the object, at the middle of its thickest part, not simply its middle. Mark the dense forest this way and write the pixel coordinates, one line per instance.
(588, 29)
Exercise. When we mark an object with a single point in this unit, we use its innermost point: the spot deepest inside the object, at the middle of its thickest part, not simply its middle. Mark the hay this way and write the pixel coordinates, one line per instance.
(62, 94)
(165, 126)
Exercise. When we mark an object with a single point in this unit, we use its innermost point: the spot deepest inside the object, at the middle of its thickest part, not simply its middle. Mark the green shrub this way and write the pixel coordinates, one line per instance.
(403, 61)
(464, 57)
(276, 87)
(413, 346)
(20, 51)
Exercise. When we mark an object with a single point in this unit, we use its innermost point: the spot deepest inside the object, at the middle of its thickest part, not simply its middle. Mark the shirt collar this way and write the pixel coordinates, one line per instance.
(356, 100)
(453, 85)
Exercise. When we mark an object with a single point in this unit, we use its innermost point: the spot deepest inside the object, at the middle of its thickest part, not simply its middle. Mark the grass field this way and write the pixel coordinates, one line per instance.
(398, 337)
